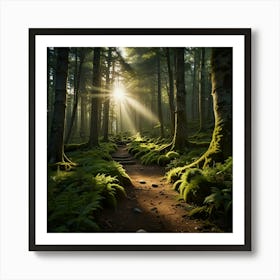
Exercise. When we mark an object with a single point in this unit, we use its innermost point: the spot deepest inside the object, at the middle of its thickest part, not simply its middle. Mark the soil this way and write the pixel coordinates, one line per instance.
(151, 205)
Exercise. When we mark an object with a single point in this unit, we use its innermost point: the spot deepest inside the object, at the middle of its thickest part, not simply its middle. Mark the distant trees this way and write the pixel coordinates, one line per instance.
(77, 80)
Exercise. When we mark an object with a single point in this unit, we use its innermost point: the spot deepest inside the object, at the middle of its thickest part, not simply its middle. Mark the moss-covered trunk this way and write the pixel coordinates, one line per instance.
(220, 147)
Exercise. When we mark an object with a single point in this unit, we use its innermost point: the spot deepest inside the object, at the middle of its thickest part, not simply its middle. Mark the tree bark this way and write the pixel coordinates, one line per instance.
(180, 135)
(159, 95)
(201, 97)
(194, 87)
(171, 92)
(56, 140)
(107, 100)
(96, 82)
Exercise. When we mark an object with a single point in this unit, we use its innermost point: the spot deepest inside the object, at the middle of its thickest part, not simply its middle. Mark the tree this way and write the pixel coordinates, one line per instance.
(201, 91)
(159, 94)
(96, 82)
(194, 85)
(171, 91)
(220, 147)
(76, 90)
(56, 140)
(180, 135)
(107, 101)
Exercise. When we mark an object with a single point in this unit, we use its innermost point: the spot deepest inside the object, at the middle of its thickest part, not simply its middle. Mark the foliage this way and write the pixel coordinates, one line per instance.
(76, 196)
(209, 188)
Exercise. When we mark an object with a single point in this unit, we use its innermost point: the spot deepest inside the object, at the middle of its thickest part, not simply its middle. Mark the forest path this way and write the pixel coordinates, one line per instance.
(151, 205)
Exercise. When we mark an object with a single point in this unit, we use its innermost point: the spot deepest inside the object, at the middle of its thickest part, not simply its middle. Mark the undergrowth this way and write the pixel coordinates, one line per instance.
(157, 151)
(76, 196)
(210, 189)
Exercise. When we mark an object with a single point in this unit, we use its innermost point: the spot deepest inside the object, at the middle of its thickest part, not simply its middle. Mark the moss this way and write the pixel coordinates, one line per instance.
(174, 174)
(163, 160)
(172, 155)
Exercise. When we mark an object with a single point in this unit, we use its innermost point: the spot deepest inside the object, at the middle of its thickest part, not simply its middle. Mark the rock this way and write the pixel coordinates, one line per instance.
(154, 185)
(141, 230)
(142, 182)
(154, 209)
(196, 228)
(137, 210)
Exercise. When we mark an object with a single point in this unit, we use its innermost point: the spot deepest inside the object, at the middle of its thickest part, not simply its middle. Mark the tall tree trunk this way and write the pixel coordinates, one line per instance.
(180, 135)
(76, 93)
(171, 92)
(201, 98)
(194, 88)
(50, 99)
(96, 82)
(220, 147)
(56, 140)
(107, 101)
(160, 118)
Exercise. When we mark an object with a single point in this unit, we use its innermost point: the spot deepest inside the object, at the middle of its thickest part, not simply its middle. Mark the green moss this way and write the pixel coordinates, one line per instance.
(163, 160)
(172, 155)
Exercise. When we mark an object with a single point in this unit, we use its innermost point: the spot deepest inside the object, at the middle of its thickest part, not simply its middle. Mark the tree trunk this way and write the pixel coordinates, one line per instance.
(107, 100)
(76, 94)
(56, 140)
(220, 147)
(201, 98)
(194, 88)
(180, 135)
(171, 92)
(160, 118)
(96, 82)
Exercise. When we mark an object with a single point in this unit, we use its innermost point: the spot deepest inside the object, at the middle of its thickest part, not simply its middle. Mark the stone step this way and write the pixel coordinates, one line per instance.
(128, 162)
(122, 157)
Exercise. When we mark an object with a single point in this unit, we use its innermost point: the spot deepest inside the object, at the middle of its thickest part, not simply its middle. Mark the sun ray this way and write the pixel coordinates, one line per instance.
(140, 108)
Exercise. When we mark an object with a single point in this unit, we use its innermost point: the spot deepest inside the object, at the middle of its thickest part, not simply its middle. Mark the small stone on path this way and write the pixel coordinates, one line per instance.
(154, 185)
(142, 182)
(137, 210)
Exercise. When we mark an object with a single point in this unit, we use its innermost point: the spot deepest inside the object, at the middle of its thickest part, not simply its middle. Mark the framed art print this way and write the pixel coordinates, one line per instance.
(140, 139)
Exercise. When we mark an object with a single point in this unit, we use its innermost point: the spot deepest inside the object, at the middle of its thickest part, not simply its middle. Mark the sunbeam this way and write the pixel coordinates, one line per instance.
(140, 108)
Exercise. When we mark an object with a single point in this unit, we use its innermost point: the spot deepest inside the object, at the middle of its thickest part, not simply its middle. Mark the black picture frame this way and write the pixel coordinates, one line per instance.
(245, 33)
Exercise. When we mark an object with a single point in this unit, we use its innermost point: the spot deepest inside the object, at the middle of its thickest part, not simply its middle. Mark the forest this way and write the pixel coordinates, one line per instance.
(139, 139)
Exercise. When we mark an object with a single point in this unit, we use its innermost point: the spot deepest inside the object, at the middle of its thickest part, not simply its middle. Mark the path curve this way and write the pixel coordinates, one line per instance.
(151, 205)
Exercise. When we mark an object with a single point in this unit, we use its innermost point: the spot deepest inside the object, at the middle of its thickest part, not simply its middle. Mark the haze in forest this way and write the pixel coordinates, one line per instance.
(115, 115)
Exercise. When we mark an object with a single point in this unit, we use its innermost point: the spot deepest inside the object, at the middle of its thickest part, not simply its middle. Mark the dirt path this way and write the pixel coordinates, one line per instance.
(151, 205)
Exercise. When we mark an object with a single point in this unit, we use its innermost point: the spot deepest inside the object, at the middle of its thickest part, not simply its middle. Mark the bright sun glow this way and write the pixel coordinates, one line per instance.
(119, 94)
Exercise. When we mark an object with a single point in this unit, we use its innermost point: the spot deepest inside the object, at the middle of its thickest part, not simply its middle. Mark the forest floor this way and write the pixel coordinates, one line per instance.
(151, 205)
